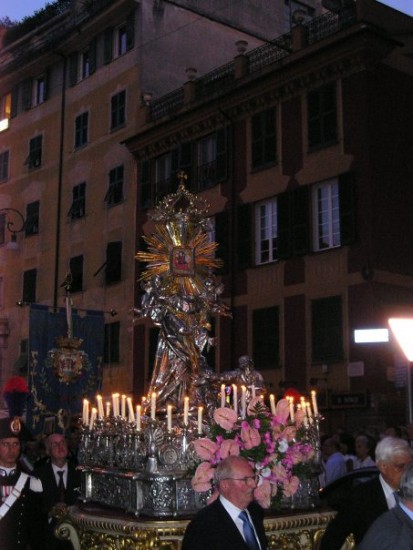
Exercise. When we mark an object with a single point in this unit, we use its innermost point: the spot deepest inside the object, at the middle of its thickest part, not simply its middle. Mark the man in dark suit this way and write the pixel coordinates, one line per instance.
(20, 494)
(233, 521)
(370, 499)
(394, 528)
(61, 483)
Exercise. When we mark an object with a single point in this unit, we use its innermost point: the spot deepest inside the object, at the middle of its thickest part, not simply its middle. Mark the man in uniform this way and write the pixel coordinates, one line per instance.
(20, 494)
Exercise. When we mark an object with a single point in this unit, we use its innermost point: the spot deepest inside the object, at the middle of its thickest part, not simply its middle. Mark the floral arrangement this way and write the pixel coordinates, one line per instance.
(276, 447)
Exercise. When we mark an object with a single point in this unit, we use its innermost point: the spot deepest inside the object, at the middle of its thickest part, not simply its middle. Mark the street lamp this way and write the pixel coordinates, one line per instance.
(14, 221)
(403, 331)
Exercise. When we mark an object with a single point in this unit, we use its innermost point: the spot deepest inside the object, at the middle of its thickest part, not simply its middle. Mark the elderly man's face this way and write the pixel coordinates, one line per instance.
(392, 471)
(57, 447)
(9, 451)
(239, 487)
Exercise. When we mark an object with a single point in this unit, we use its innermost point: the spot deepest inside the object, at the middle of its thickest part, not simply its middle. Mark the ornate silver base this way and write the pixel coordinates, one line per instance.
(148, 494)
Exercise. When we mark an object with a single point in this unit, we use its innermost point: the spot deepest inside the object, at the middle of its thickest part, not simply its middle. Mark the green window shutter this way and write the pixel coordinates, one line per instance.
(14, 102)
(284, 216)
(244, 228)
(27, 91)
(92, 57)
(301, 220)
(73, 69)
(130, 31)
(108, 45)
(145, 185)
(222, 156)
(347, 197)
(222, 238)
(46, 83)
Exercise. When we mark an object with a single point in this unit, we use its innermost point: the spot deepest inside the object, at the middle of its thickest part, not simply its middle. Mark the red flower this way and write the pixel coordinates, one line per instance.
(16, 384)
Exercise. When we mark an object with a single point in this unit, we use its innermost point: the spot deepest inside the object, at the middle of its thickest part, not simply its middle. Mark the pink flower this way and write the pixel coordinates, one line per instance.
(299, 417)
(262, 494)
(202, 478)
(250, 436)
(279, 473)
(290, 433)
(282, 411)
(291, 486)
(205, 448)
(225, 417)
(252, 404)
(229, 447)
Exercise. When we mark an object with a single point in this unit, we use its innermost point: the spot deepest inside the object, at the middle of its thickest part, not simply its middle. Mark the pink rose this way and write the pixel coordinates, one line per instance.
(262, 494)
(250, 436)
(291, 486)
(229, 447)
(282, 411)
(225, 417)
(205, 448)
(202, 479)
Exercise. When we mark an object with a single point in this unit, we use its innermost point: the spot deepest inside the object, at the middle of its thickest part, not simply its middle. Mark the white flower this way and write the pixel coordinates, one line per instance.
(282, 446)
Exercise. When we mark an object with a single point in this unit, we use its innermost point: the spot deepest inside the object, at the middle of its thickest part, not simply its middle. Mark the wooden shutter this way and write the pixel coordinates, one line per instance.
(130, 31)
(222, 238)
(108, 45)
(244, 238)
(347, 198)
(222, 156)
(73, 69)
(300, 220)
(92, 57)
(27, 92)
(145, 184)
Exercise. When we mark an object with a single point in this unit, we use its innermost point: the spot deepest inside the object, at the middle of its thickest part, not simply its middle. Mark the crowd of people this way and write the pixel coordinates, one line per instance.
(38, 477)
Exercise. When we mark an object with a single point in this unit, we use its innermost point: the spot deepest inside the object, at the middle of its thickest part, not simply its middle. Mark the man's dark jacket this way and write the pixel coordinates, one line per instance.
(213, 529)
(393, 530)
(365, 504)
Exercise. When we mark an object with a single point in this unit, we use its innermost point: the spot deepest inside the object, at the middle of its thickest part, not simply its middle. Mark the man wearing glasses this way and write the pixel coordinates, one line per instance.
(20, 494)
(233, 521)
(369, 500)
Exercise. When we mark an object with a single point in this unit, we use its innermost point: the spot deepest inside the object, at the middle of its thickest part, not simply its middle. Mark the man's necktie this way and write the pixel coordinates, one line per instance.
(248, 530)
(61, 486)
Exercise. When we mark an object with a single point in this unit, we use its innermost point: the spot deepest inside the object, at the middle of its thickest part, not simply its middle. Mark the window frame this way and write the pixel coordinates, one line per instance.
(111, 353)
(29, 285)
(76, 267)
(271, 214)
(4, 165)
(320, 116)
(327, 325)
(81, 130)
(31, 225)
(118, 110)
(266, 337)
(264, 139)
(77, 209)
(114, 194)
(330, 213)
(113, 264)
(34, 160)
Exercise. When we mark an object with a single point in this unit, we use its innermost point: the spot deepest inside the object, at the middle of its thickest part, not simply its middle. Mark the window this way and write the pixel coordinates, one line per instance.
(34, 160)
(113, 271)
(114, 194)
(118, 110)
(78, 208)
(266, 231)
(125, 36)
(4, 166)
(322, 116)
(263, 139)
(326, 215)
(81, 130)
(212, 159)
(76, 271)
(85, 64)
(39, 90)
(31, 226)
(5, 111)
(327, 329)
(29, 286)
(111, 344)
(163, 176)
(121, 40)
(266, 339)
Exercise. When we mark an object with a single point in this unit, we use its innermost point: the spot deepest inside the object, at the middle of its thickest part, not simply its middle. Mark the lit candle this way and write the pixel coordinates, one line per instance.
(108, 408)
(123, 407)
(186, 410)
(305, 422)
(235, 398)
(138, 417)
(309, 412)
(100, 407)
(130, 409)
(291, 399)
(222, 395)
(85, 416)
(169, 418)
(200, 409)
(92, 418)
(272, 403)
(243, 401)
(153, 405)
(314, 401)
(115, 400)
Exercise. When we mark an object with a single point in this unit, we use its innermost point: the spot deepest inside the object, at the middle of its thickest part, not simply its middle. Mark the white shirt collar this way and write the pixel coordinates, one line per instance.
(388, 493)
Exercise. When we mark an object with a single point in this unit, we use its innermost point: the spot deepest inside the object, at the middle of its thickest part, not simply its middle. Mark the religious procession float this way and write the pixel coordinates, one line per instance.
(155, 457)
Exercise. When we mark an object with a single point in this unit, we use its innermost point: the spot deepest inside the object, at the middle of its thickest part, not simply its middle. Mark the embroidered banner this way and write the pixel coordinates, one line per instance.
(62, 370)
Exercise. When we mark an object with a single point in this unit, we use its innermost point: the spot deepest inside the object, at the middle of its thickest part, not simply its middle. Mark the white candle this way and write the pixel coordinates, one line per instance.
(272, 403)
(222, 395)
(186, 410)
(85, 416)
(200, 409)
(305, 421)
(130, 409)
(107, 409)
(235, 398)
(169, 418)
(138, 417)
(291, 399)
(92, 418)
(123, 407)
(100, 407)
(243, 401)
(314, 401)
(253, 391)
(153, 405)
(115, 399)
(309, 412)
